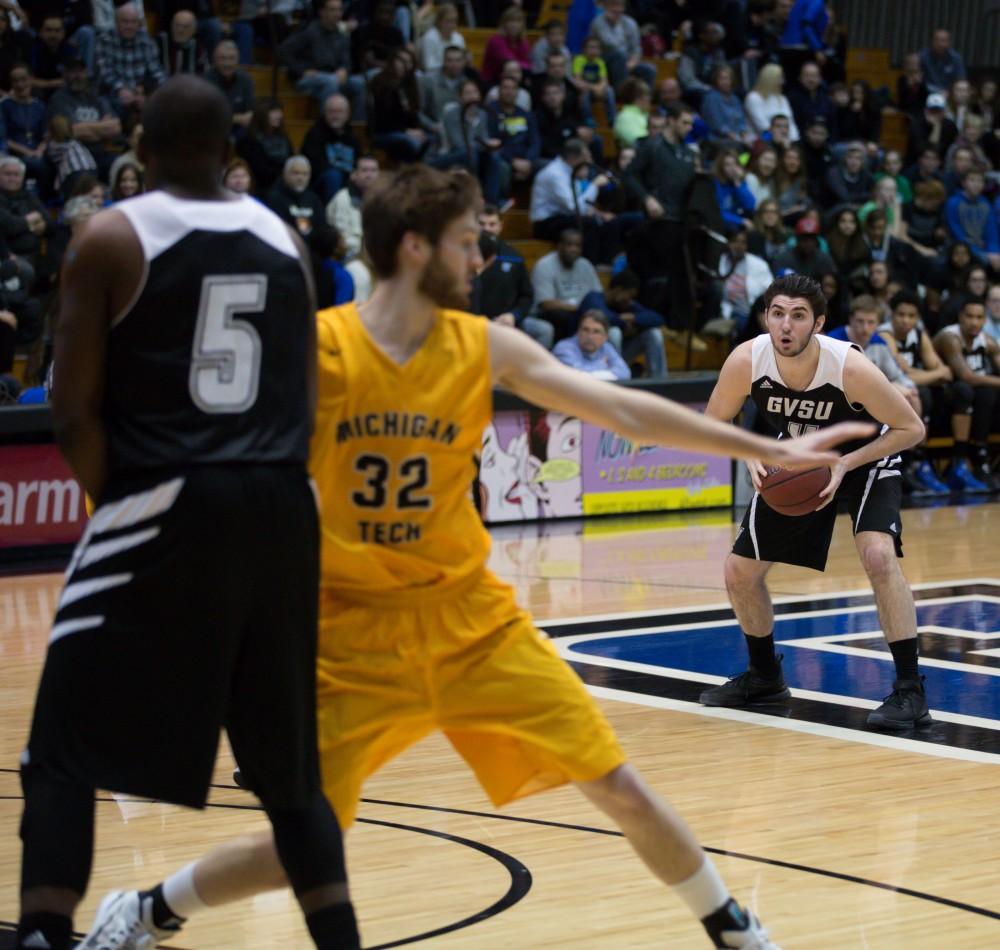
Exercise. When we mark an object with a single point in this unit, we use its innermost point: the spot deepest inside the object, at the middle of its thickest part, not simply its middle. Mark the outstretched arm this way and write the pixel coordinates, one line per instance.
(522, 366)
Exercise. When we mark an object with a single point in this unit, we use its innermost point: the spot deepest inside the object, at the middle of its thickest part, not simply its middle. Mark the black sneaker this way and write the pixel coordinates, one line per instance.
(239, 780)
(748, 689)
(904, 708)
(732, 926)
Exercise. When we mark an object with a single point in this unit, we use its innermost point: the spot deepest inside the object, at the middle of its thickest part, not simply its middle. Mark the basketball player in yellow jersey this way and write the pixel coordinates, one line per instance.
(416, 634)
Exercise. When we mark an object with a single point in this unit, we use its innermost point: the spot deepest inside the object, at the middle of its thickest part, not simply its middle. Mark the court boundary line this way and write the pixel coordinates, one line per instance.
(521, 879)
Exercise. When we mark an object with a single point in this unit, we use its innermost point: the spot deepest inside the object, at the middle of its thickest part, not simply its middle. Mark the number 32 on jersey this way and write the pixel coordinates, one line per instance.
(402, 486)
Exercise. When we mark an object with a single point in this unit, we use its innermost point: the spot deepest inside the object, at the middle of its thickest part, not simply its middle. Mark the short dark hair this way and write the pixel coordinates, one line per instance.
(573, 148)
(904, 297)
(626, 279)
(676, 109)
(419, 199)
(876, 214)
(974, 300)
(490, 210)
(779, 115)
(570, 232)
(598, 316)
(799, 287)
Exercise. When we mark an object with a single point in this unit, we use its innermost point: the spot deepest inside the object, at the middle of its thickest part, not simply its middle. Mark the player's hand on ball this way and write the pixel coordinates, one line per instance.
(757, 472)
(815, 449)
(837, 472)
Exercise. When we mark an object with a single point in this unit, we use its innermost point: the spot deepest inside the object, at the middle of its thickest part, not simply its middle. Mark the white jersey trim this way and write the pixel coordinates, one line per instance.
(829, 369)
(161, 220)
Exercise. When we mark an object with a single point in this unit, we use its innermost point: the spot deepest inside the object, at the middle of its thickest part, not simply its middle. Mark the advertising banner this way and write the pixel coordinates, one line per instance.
(538, 464)
(40, 500)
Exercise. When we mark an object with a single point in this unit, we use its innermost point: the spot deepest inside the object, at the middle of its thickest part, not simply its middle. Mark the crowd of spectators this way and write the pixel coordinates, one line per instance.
(626, 134)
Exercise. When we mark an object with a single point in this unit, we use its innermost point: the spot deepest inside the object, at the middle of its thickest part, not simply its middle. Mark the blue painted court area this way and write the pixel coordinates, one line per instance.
(719, 650)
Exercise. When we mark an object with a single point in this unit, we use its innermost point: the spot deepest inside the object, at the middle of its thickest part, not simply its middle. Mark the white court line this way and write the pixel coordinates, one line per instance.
(784, 599)
(794, 725)
(710, 679)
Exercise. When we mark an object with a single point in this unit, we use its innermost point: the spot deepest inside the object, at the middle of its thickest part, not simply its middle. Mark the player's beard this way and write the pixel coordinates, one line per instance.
(441, 285)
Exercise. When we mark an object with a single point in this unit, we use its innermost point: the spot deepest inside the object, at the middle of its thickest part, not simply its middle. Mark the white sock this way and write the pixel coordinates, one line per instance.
(180, 894)
(704, 891)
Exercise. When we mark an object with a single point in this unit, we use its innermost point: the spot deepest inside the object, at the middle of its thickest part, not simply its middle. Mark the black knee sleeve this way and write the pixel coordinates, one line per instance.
(57, 831)
(309, 844)
(962, 397)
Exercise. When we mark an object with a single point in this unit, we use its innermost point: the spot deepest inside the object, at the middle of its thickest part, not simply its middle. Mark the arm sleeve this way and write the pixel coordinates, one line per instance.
(565, 352)
(618, 366)
(990, 235)
(153, 64)
(952, 217)
(756, 112)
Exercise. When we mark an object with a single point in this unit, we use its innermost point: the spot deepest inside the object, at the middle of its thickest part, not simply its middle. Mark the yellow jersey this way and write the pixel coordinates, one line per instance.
(394, 458)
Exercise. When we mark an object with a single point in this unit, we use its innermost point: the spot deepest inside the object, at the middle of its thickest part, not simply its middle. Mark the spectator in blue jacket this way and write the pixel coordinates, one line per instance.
(589, 350)
(520, 145)
(736, 200)
(806, 25)
(723, 112)
(634, 329)
(972, 220)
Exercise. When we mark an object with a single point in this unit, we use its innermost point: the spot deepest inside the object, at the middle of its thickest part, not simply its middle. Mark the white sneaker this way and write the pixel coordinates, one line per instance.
(122, 924)
(752, 937)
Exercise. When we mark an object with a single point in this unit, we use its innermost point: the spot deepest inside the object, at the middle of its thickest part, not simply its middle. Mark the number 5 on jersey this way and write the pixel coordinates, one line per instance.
(412, 476)
(226, 353)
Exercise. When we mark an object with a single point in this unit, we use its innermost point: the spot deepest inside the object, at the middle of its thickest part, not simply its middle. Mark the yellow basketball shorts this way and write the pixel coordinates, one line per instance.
(472, 665)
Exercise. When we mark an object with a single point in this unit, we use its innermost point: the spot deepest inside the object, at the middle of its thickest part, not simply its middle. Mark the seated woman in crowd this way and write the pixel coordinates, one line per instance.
(632, 122)
(857, 116)
(847, 244)
(793, 188)
(439, 37)
(736, 201)
(396, 111)
(769, 235)
(892, 166)
(509, 42)
(266, 146)
(761, 175)
(127, 183)
(766, 100)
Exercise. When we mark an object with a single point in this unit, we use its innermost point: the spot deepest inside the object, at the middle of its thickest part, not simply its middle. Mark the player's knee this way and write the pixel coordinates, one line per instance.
(740, 573)
(878, 557)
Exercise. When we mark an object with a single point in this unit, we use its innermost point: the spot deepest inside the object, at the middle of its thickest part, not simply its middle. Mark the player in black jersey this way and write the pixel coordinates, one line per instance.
(911, 345)
(800, 381)
(974, 358)
(183, 400)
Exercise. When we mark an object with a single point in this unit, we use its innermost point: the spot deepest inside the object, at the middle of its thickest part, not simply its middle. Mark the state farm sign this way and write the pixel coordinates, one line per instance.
(40, 500)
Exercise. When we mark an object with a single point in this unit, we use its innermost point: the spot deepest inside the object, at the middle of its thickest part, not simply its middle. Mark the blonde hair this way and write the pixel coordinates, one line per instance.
(770, 80)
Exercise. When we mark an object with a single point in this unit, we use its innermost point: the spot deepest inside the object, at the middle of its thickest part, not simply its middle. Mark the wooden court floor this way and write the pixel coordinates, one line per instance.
(836, 838)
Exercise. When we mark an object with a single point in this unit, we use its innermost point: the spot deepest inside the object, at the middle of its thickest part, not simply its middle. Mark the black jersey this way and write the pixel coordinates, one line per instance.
(909, 348)
(207, 365)
(976, 353)
(823, 403)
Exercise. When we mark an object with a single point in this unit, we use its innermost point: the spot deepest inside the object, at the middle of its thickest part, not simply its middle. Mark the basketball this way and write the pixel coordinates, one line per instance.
(794, 493)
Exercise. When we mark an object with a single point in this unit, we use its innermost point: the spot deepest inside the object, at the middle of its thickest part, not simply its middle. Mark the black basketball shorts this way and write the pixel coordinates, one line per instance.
(190, 605)
(871, 495)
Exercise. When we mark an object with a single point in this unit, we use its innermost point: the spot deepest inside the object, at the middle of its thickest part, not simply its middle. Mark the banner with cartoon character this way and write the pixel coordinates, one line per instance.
(538, 465)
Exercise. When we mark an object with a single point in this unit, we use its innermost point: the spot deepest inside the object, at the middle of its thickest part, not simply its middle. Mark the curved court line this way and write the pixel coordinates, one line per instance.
(774, 862)
(520, 876)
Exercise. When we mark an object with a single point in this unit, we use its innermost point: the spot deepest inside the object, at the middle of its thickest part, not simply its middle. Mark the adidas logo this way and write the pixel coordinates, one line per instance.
(36, 939)
(766, 384)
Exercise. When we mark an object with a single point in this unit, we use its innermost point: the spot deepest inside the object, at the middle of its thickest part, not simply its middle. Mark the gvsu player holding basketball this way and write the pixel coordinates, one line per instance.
(802, 381)
(183, 399)
(416, 633)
